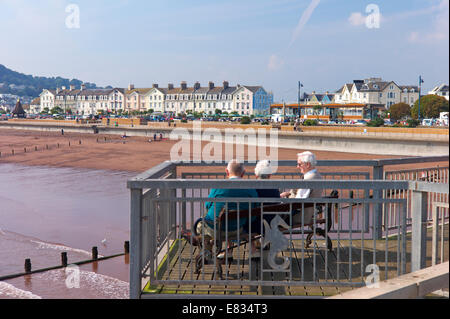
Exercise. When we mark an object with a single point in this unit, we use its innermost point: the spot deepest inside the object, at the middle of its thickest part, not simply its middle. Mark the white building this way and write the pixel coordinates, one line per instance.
(441, 90)
(376, 92)
(47, 99)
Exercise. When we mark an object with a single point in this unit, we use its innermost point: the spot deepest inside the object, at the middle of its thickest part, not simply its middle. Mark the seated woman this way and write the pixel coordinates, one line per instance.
(263, 170)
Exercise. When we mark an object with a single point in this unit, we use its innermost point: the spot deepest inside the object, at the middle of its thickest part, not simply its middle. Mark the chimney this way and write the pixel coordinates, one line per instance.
(72, 87)
(170, 85)
(183, 85)
(225, 84)
(130, 87)
(211, 85)
(155, 85)
(197, 85)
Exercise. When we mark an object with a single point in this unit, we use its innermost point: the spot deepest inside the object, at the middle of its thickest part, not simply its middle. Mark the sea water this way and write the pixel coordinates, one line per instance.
(45, 211)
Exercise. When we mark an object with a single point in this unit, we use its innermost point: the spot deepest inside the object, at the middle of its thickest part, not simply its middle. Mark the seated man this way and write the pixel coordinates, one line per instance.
(234, 170)
(306, 162)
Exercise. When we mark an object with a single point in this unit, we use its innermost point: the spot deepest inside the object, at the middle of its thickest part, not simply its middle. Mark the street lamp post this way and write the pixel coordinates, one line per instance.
(298, 99)
(420, 85)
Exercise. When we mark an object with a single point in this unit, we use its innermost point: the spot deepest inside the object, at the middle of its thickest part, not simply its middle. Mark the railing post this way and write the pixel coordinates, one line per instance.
(378, 174)
(173, 205)
(135, 243)
(183, 205)
(419, 204)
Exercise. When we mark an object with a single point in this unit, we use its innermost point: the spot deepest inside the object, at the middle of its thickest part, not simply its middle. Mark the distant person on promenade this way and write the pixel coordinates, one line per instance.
(306, 162)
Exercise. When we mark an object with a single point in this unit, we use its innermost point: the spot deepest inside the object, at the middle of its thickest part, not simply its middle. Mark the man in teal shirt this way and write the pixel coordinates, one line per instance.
(235, 170)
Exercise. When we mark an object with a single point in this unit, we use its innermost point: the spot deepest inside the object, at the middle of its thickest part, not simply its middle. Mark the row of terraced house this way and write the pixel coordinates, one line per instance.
(243, 99)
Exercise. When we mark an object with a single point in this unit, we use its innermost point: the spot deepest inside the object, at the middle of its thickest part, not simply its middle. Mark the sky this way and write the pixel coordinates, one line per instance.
(274, 43)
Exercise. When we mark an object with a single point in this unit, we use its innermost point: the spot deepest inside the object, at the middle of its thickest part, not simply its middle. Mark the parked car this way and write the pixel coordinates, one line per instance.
(428, 122)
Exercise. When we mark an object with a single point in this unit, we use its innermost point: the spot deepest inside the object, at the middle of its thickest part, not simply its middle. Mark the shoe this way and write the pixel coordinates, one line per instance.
(221, 256)
(187, 235)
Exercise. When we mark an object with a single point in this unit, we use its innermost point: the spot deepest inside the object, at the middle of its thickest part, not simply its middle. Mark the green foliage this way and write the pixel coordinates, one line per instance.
(412, 123)
(310, 122)
(28, 85)
(150, 111)
(376, 122)
(217, 111)
(183, 121)
(430, 106)
(246, 120)
(56, 110)
(399, 111)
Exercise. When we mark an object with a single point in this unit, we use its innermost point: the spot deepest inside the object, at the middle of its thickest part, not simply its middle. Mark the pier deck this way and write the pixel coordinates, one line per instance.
(331, 267)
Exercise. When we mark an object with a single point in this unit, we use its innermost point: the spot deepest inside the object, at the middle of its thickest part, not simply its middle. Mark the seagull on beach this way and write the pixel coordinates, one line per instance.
(104, 241)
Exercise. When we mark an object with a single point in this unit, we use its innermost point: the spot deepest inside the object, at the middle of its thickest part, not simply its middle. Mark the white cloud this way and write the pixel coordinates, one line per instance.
(440, 26)
(304, 19)
(275, 63)
(357, 19)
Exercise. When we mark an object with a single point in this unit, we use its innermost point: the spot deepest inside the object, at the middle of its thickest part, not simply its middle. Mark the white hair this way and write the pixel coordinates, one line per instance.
(263, 168)
(235, 167)
(308, 157)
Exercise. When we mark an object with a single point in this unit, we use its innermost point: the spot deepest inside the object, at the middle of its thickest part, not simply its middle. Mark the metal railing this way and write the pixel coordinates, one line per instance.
(162, 206)
(431, 175)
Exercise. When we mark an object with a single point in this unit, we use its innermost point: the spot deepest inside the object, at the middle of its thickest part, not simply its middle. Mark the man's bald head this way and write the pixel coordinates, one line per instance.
(235, 168)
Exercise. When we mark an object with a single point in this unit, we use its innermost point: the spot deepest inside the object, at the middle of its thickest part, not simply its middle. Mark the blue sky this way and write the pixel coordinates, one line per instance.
(253, 42)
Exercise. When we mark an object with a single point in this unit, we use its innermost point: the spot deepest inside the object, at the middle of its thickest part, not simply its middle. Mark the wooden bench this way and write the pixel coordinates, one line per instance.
(206, 254)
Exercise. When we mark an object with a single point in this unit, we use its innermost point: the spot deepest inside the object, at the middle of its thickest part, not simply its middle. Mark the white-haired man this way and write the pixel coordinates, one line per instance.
(306, 162)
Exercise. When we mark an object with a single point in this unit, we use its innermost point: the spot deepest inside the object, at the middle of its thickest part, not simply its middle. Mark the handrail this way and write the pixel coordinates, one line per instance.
(267, 184)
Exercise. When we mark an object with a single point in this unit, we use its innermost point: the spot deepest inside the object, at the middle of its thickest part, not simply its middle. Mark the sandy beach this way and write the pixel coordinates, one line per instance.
(112, 152)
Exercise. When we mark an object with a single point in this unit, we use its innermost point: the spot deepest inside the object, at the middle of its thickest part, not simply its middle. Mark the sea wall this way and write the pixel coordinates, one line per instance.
(354, 142)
